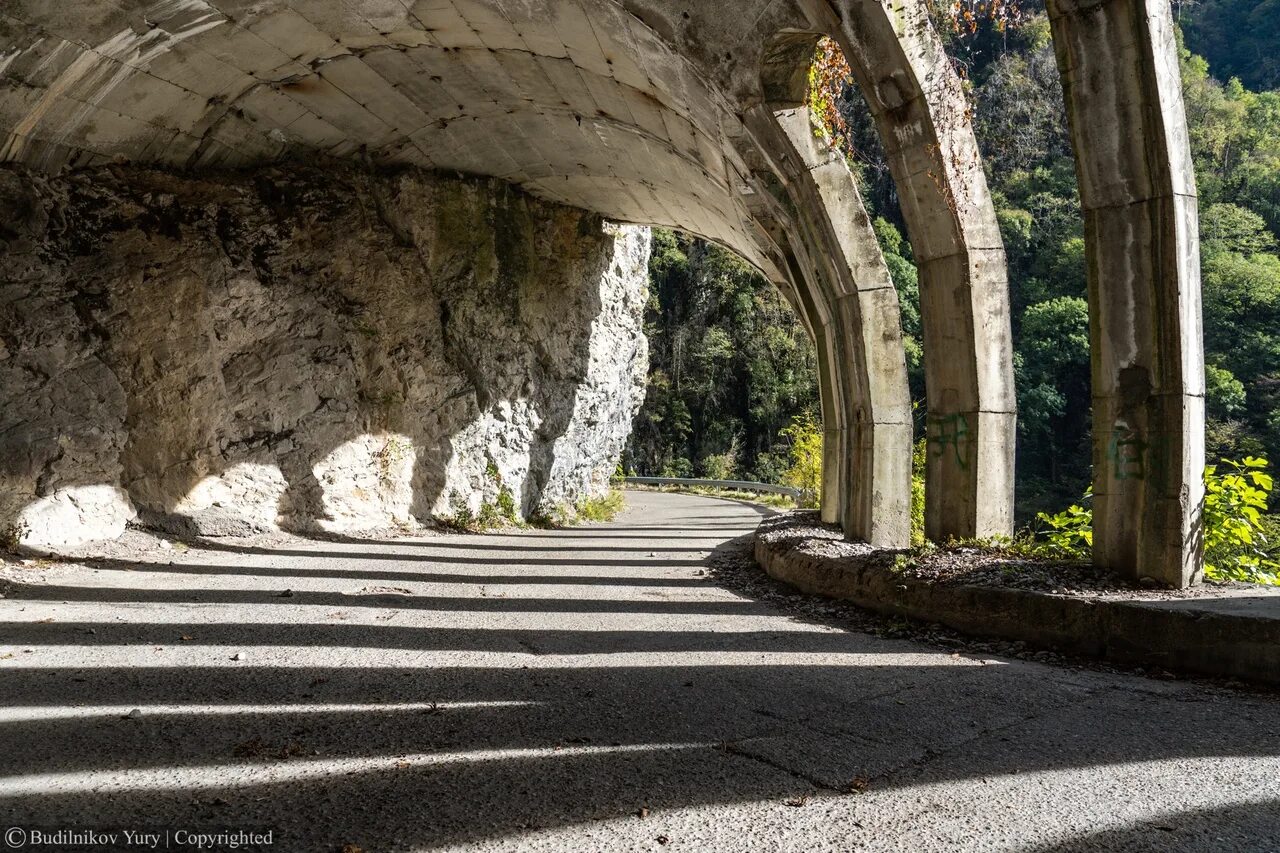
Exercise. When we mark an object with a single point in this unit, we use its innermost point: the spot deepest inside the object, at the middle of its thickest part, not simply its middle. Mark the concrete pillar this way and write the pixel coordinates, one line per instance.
(827, 345)
(1119, 65)
(834, 249)
(922, 117)
(877, 459)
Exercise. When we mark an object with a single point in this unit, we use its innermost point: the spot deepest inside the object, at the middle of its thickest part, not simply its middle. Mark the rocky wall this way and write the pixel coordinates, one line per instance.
(305, 347)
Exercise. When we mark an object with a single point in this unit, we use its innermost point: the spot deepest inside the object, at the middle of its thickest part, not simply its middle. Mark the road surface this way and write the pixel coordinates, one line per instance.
(580, 690)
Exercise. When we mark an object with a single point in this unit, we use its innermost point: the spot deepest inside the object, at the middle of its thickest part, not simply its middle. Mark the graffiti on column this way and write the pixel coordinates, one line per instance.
(950, 432)
(1127, 454)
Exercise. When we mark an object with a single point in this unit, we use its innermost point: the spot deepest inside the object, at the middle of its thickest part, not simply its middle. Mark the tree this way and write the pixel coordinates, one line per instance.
(730, 366)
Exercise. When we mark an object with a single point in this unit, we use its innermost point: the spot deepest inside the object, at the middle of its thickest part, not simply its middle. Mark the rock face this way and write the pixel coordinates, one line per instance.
(304, 347)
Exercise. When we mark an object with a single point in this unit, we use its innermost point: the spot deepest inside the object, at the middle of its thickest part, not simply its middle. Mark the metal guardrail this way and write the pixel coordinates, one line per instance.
(736, 485)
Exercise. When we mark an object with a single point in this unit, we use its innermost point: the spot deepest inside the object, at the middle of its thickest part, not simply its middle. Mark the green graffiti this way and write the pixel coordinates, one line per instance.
(950, 431)
(1127, 453)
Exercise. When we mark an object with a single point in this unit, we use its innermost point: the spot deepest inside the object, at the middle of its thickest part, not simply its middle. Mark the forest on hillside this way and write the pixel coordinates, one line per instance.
(732, 367)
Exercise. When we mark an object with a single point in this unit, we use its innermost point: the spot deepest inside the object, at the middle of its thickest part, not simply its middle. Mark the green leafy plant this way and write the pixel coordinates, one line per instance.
(602, 507)
(805, 472)
(1069, 534)
(722, 466)
(918, 457)
(1236, 546)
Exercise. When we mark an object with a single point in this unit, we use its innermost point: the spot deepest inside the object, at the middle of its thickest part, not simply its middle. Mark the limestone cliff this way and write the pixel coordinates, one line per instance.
(313, 348)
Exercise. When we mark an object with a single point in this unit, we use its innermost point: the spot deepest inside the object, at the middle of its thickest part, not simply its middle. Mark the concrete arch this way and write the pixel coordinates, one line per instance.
(1119, 65)
(867, 413)
(921, 113)
(869, 431)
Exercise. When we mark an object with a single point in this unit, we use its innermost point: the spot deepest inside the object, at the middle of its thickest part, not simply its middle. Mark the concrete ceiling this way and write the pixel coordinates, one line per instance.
(631, 112)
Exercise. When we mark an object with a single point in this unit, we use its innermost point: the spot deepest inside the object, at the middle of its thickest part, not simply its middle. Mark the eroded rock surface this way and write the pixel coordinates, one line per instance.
(314, 348)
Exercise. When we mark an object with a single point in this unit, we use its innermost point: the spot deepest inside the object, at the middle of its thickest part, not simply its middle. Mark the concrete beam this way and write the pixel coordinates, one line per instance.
(1120, 77)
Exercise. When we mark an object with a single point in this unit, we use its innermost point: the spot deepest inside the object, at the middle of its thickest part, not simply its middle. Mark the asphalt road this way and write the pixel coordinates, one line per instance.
(580, 690)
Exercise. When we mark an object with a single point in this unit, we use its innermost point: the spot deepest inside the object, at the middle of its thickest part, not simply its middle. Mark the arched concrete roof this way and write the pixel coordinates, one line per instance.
(685, 115)
(630, 113)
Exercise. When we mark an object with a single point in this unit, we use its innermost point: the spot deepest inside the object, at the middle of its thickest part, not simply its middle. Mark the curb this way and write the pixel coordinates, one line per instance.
(1236, 635)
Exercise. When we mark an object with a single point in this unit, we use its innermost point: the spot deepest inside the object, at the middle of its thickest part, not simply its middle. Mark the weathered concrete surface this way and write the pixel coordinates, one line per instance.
(312, 347)
(1119, 65)
(648, 112)
(917, 101)
(1232, 634)
(853, 306)
(540, 691)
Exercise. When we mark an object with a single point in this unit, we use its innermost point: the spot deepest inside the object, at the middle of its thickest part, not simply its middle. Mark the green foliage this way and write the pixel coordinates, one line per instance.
(1239, 541)
(805, 473)
(919, 455)
(906, 280)
(1069, 534)
(1231, 228)
(1236, 546)
(503, 509)
(721, 466)
(730, 365)
(678, 467)
(1224, 394)
(492, 515)
(888, 235)
(1238, 36)
(603, 507)
(461, 518)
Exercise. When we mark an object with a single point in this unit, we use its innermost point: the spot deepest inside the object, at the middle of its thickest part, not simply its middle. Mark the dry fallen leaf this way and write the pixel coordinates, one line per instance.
(351, 848)
(797, 802)
(186, 637)
(858, 784)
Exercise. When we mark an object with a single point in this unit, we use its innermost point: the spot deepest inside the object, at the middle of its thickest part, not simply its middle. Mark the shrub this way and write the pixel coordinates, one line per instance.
(722, 466)
(1236, 546)
(1239, 538)
(805, 472)
(1070, 533)
(678, 467)
(603, 508)
(918, 456)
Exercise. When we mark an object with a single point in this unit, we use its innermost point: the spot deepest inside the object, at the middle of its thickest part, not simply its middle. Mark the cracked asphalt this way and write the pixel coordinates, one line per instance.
(599, 688)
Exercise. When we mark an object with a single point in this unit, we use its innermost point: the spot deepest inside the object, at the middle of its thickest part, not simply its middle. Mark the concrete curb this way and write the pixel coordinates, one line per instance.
(1235, 635)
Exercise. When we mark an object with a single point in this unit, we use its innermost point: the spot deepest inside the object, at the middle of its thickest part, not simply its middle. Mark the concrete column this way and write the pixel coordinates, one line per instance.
(1119, 66)
(878, 425)
(922, 116)
(799, 293)
(834, 247)
(826, 341)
